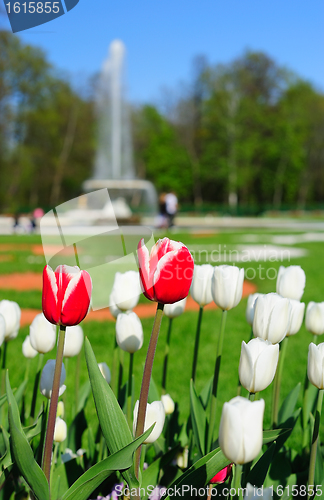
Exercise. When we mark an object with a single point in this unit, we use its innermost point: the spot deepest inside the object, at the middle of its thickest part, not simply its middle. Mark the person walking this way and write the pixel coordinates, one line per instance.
(171, 204)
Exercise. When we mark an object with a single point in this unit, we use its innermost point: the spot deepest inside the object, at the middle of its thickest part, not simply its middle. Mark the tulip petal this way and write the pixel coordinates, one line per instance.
(252, 416)
(279, 321)
(76, 301)
(231, 433)
(144, 270)
(265, 367)
(246, 368)
(173, 276)
(49, 297)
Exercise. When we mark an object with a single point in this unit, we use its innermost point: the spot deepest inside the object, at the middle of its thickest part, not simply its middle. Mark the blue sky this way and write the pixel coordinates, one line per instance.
(163, 36)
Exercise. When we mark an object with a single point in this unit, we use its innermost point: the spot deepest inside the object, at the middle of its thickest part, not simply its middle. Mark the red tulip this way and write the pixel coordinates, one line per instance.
(66, 295)
(166, 273)
(222, 475)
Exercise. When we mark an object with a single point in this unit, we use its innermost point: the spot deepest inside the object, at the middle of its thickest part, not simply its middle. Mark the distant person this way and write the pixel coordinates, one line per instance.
(16, 224)
(163, 220)
(171, 202)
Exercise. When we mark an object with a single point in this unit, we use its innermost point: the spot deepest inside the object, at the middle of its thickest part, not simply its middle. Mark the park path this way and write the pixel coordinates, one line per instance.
(33, 281)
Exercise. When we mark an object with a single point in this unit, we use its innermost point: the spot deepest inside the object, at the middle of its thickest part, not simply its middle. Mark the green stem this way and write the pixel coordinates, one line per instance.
(114, 369)
(56, 447)
(166, 356)
(277, 381)
(143, 457)
(195, 358)
(130, 390)
(120, 372)
(213, 405)
(312, 462)
(77, 381)
(46, 464)
(251, 396)
(28, 360)
(36, 385)
(146, 382)
(3, 376)
(237, 480)
(305, 415)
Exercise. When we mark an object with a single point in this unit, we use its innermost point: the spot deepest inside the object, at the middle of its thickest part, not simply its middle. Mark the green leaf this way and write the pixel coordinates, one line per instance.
(76, 429)
(259, 472)
(206, 393)
(83, 396)
(26, 463)
(93, 477)
(112, 420)
(12, 401)
(288, 406)
(198, 419)
(151, 474)
(35, 429)
(6, 460)
(272, 435)
(20, 391)
(199, 474)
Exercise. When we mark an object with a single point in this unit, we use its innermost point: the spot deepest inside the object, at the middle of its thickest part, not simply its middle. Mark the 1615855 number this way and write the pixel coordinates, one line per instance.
(33, 7)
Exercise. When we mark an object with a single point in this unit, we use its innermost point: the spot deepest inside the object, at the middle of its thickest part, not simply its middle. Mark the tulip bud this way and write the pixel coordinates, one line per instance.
(222, 475)
(2, 329)
(271, 317)
(11, 313)
(73, 341)
(254, 493)
(240, 430)
(249, 313)
(42, 334)
(315, 318)
(182, 459)
(315, 366)
(27, 350)
(60, 409)
(200, 289)
(166, 272)
(296, 317)
(227, 286)
(154, 413)
(291, 282)
(66, 295)
(258, 364)
(60, 430)
(174, 310)
(47, 378)
(105, 371)
(168, 404)
(126, 290)
(129, 332)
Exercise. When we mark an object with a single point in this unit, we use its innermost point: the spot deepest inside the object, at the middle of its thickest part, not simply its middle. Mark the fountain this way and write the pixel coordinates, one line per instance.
(114, 168)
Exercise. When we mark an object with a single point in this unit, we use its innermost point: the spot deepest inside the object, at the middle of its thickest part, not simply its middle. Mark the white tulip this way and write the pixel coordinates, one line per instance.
(296, 317)
(249, 313)
(182, 459)
(73, 341)
(60, 409)
(291, 282)
(126, 290)
(129, 332)
(258, 364)
(200, 289)
(254, 493)
(240, 430)
(315, 318)
(11, 312)
(174, 310)
(2, 329)
(114, 310)
(105, 371)
(168, 404)
(271, 317)
(315, 366)
(227, 286)
(47, 378)
(27, 349)
(42, 334)
(60, 430)
(154, 413)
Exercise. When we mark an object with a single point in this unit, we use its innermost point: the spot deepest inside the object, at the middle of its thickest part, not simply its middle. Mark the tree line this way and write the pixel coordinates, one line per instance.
(244, 134)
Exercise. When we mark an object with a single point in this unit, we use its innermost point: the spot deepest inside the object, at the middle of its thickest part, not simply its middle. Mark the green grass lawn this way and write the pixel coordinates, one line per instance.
(101, 335)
